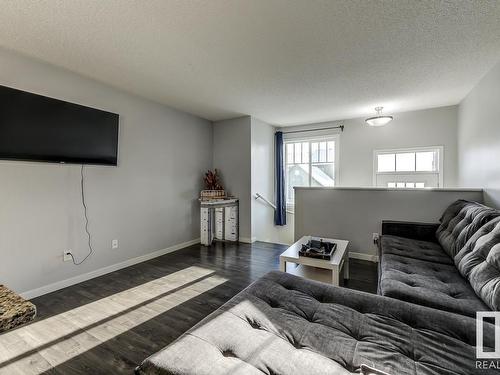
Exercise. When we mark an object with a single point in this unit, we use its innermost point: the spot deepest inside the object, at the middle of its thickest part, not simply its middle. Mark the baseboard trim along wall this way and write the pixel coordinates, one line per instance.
(247, 239)
(102, 271)
(363, 256)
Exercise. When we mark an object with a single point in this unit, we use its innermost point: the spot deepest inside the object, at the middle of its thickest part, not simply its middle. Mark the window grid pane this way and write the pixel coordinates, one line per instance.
(408, 185)
(315, 152)
(323, 174)
(426, 161)
(405, 162)
(297, 175)
(322, 152)
(305, 152)
(298, 153)
(289, 153)
(386, 163)
(331, 152)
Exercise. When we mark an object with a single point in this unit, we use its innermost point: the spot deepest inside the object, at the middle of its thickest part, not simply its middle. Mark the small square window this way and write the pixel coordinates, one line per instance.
(400, 184)
(391, 184)
(419, 185)
(410, 184)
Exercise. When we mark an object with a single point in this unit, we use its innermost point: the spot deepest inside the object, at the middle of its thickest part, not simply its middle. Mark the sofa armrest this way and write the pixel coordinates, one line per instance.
(408, 229)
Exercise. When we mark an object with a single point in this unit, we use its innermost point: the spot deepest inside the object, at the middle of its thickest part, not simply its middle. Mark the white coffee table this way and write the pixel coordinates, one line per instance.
(317, 269)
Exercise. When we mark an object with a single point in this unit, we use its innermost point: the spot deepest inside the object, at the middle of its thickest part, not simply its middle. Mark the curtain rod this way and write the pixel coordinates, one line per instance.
(341, 127)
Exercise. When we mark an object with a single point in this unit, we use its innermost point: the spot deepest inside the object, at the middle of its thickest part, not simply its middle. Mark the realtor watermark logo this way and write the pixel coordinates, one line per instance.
(487, 359)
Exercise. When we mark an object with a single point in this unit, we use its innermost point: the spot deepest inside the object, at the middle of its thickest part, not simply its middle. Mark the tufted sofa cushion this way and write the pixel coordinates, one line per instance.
(429, 284)
(459, 223)
(423, 250)
(479, 262)
(283, 325)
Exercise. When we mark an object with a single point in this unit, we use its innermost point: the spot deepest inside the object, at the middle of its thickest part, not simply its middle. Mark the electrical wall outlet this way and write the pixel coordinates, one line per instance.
(114, 244)
(375, 237)
(66, 256)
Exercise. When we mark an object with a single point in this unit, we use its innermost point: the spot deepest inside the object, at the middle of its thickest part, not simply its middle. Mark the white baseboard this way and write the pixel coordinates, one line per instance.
(102, 271)
(248, 239)
(363, 256)
(277, 243)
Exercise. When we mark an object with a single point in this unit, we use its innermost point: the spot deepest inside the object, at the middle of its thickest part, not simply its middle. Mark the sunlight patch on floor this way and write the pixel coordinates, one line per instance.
(55, 340)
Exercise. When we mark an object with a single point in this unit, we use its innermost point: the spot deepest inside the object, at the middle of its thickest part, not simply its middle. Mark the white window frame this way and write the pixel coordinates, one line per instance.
(439, 172)
(319, 136)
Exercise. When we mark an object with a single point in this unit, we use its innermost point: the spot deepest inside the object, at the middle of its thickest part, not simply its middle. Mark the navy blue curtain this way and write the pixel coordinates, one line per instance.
(280, 212)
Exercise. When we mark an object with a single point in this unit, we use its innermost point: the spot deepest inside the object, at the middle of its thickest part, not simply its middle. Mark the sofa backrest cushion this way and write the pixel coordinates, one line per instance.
(459, 223)
(479, 262)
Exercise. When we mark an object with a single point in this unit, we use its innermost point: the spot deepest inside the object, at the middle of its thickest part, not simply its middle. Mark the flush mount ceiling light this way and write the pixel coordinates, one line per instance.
(379, 119)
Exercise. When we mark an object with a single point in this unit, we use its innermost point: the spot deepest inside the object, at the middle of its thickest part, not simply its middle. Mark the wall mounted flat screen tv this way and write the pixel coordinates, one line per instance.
(37, 128)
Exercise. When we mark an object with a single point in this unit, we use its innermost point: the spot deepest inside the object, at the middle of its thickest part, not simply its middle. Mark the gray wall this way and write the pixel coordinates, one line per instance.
(244, 154)
(263, 228)
(429, 127)
(479, 137)
(149, 202)
(355, 214)
(232, 156)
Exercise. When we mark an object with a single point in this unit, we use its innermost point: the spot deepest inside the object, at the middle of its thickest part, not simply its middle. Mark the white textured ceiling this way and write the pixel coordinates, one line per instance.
(283, 61)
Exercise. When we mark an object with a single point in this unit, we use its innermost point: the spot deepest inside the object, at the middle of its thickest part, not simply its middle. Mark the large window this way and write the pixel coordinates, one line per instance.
(310, 162)
(408, 168)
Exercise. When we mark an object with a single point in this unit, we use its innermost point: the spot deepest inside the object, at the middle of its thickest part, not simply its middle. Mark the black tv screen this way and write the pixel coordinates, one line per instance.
(38, 128)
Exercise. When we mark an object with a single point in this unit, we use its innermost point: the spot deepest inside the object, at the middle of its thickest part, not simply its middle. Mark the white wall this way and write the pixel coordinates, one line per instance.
(262, 150)
(429, 127)
(149, 202)
(354, 214)
(232, 156)
(479, 137)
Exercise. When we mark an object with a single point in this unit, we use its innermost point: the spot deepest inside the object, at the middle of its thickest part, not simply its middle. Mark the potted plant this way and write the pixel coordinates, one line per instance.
(213, 186)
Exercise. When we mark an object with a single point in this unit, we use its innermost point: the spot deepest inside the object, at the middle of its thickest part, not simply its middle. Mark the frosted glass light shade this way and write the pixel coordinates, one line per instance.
(379, 120)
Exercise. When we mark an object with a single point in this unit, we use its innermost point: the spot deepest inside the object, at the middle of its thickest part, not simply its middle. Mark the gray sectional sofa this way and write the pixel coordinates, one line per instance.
(452, 266)
(283, 324)
(437, 274)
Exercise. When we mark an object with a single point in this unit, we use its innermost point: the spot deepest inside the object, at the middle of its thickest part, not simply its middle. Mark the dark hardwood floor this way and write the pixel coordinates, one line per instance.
(109, 324)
